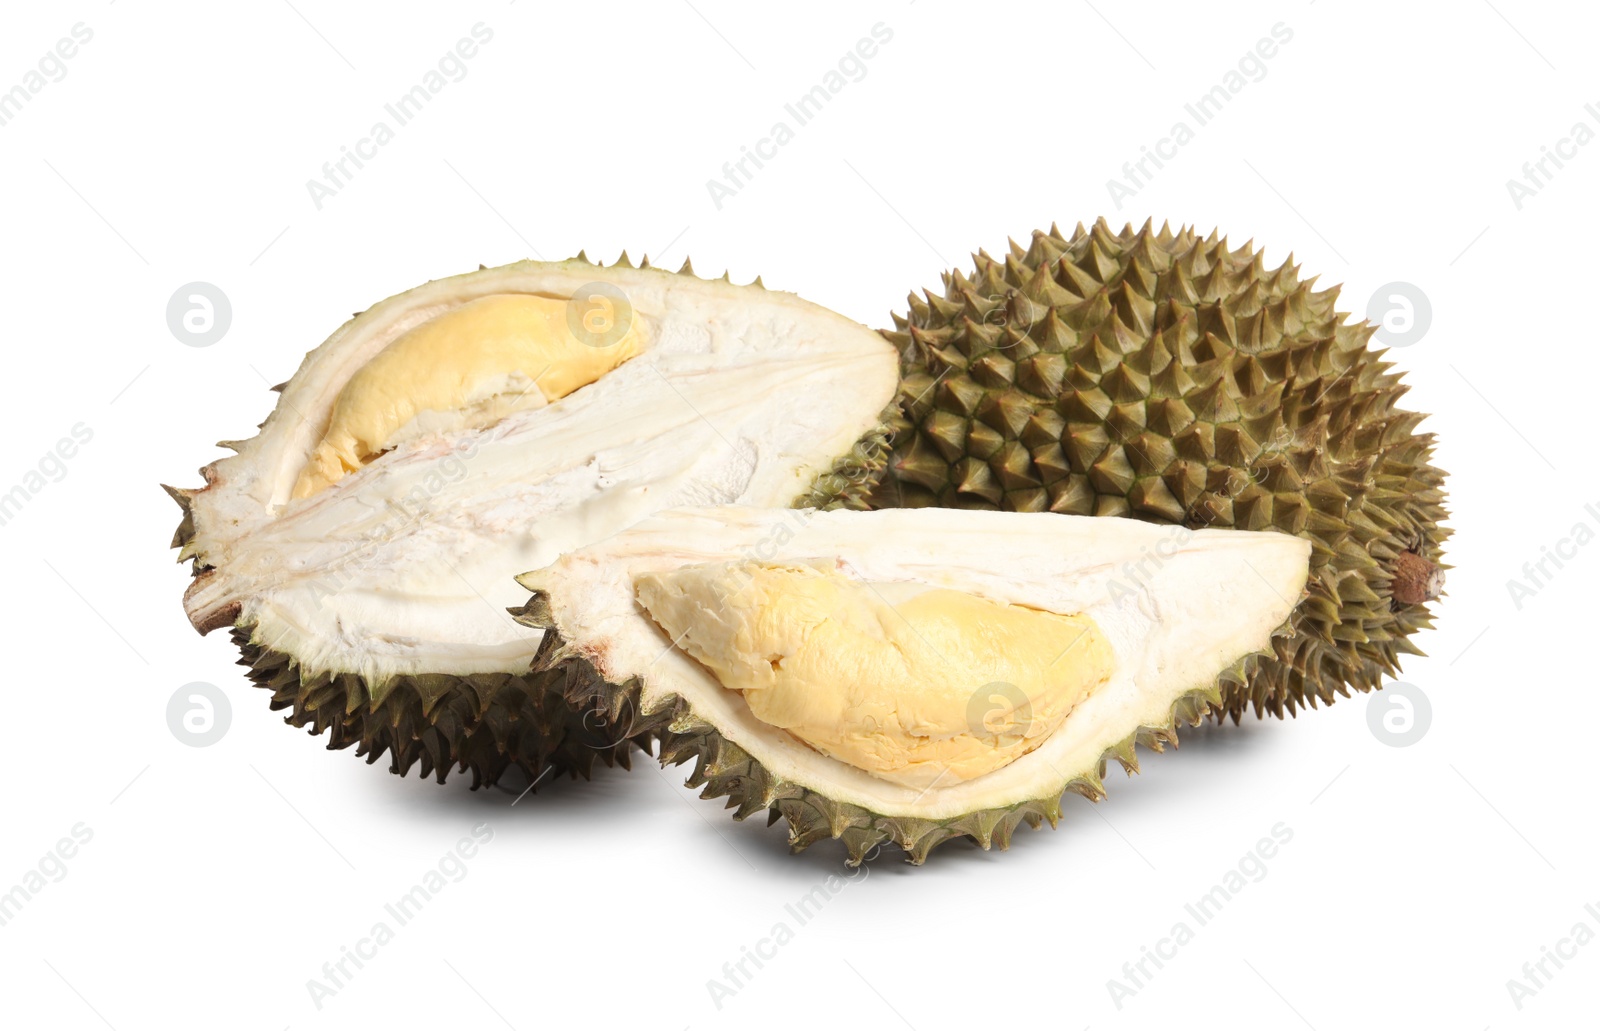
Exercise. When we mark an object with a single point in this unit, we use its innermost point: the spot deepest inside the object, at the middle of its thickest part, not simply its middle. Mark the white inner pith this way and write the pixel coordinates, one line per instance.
(405, 565)
(1176, 606)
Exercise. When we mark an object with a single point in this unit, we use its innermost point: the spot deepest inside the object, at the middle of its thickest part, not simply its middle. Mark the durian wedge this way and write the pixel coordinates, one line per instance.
(361, 546)
(909, 676)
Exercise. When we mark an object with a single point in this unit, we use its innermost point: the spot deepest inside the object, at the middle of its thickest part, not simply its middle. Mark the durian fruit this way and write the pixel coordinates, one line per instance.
(362, 546)
(908, 677)
(1165, 377)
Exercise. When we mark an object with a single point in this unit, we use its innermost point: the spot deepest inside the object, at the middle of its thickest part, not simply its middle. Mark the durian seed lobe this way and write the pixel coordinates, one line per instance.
(913, 684)
(469, 367)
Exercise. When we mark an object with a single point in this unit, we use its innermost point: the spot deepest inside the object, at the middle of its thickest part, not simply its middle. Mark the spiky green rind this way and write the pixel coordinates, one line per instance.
(1164, 377)
(855, 475)
(492, 723)
(487, 724)
(723, 769)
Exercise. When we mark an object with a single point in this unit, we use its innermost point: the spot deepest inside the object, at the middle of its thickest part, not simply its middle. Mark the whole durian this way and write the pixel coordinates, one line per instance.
(361, 547)
(1165, 377)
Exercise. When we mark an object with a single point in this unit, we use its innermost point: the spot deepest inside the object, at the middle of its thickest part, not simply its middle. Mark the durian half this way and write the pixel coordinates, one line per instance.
(909, 676)
(361, 546)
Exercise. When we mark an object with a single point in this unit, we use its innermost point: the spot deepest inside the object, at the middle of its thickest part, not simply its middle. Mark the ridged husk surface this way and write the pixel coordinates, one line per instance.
(722, 769)
(486, 724)
(1164, 377)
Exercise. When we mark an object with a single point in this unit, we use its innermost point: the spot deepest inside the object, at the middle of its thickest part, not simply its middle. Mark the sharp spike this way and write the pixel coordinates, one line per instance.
(181, 495)
(536, 614)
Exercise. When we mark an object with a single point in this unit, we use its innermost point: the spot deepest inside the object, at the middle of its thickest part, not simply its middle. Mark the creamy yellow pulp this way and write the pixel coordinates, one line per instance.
(933, 686)
(470, 366)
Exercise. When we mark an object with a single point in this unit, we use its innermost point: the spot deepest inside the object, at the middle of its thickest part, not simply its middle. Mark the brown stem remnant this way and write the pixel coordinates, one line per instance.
(1415, 580)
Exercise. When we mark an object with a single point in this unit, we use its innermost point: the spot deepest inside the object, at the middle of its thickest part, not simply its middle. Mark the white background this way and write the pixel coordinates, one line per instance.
(219, 880)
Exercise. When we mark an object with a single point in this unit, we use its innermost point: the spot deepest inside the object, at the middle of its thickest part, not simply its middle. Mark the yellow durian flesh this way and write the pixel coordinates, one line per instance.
(468, 367)
(916, 685)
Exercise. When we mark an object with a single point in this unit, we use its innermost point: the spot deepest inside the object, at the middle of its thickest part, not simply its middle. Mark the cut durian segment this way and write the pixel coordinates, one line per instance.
(490, 422)
(1169, 377)
(467, 368)
(916, 684)
(1174, 609)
